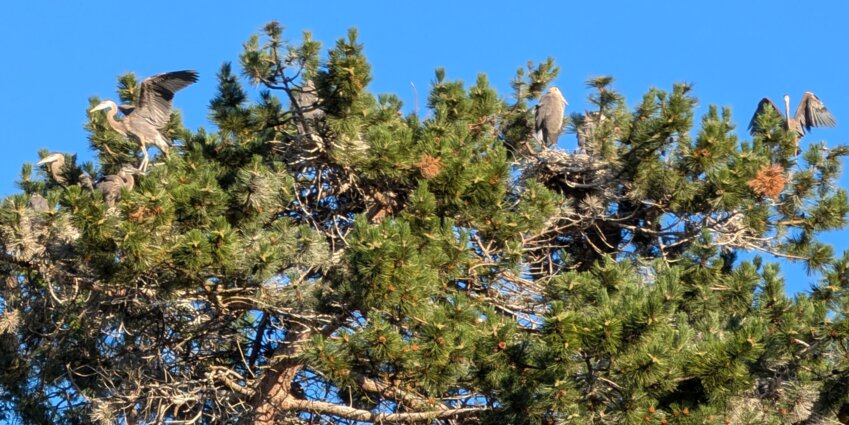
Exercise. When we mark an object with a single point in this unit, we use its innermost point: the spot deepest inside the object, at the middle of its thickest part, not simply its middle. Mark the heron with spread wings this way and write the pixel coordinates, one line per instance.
(810, 113)
(145, 122)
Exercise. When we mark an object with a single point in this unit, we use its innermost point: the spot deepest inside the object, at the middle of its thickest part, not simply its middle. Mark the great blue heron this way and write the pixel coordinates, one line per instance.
(38, 202)
(85, 181)
(307, 100)
(810, 113)
(56, 161)
(585, 127)
(549, 116)
(111, 185)
(144, 122)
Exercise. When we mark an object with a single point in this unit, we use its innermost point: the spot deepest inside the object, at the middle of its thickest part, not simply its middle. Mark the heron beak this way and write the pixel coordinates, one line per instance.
(99, 107)
(46, 160)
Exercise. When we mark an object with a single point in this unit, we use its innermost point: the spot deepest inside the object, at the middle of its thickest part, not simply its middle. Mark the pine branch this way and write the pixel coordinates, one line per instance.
(346, 412)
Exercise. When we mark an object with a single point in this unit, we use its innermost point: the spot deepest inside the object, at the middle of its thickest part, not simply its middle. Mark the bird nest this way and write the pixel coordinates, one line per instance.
(564, 170)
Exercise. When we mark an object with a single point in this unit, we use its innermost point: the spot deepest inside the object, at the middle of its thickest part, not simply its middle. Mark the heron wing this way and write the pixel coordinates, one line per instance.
(111, 179)
(126, 109)
(156, 95)
(764, 105)
(813, 113)
(110, 183)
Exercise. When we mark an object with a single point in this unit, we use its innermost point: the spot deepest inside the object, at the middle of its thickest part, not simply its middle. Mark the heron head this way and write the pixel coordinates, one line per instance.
(556, 91)
(101, 106)
(787, 99)
(53, 157)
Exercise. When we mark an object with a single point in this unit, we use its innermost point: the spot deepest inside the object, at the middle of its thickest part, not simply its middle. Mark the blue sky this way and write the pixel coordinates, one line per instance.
(59, 53)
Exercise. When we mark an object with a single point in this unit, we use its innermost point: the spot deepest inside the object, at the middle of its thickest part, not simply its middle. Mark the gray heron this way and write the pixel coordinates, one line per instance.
(111, 185)
(85, 181)
(55, 161)
(548, 114)
(144, 122)
(585, 127)
(810, 113)
(307, 100)
(38, 203)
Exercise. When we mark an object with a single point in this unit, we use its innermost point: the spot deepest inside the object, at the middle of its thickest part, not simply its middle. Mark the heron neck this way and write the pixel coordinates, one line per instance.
(56, 170)
(110, 117)
(129, 181)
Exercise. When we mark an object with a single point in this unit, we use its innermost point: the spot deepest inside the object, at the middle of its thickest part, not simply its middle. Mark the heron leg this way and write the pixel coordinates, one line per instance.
(145, 160)
(162, 145)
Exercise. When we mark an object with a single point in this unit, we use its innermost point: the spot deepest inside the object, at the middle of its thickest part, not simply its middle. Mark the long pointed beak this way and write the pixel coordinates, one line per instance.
(50, 158)
(99, 108)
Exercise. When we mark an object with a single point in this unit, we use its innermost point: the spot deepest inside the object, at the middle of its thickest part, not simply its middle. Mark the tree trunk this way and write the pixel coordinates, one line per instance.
(273, 394)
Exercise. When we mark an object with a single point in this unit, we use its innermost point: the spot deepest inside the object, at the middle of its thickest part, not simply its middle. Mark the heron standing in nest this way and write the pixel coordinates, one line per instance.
(548, 114)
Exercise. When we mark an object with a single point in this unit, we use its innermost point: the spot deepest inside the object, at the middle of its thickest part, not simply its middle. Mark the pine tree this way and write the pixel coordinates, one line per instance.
(323, 257)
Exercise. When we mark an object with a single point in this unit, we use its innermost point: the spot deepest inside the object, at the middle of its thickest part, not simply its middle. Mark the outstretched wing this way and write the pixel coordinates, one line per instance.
(156, 95)
(764, 105)
(126, 109)
(813, 113)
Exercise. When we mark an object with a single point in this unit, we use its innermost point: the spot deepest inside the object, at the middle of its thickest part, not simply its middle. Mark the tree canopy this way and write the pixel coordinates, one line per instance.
(321, 256)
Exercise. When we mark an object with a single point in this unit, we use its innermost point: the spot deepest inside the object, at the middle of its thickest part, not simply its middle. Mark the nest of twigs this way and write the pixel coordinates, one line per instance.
(568, 171)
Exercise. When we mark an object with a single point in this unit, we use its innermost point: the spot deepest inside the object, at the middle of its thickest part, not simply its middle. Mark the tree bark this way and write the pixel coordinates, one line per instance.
(273, 394)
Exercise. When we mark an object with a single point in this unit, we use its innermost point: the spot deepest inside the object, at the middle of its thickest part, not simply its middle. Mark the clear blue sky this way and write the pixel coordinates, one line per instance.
(56, 54)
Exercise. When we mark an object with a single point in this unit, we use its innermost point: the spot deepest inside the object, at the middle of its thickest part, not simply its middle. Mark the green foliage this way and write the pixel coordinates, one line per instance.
(228, 112)
(323, 256)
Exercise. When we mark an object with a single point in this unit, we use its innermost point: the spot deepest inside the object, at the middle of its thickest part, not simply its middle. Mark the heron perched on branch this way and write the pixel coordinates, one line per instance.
(548, 114)
(38, 203)
(144, 122)
(55, 161)
(810, 113)
(307, 100)
(585, 127)
(111, 185)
